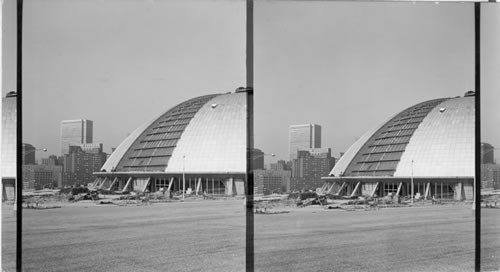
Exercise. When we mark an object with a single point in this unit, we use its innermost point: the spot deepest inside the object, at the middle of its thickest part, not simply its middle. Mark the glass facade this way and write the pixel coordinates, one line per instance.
(303, 137)
(75, 132)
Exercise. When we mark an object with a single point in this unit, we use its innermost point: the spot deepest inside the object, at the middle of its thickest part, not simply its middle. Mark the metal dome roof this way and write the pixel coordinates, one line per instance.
(431, 139)
(193, 136)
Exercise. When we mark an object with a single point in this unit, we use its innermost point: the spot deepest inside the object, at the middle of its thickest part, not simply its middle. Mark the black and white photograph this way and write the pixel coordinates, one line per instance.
(134, 136)
(369, 110)
(250, 135)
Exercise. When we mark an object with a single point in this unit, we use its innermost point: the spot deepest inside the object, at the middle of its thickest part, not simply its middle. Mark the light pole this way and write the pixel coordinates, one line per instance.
(183, 176)
(412, 182)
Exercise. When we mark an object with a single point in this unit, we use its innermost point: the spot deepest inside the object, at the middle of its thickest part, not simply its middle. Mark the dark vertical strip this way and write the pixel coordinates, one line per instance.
(19, 133)
(249, 249)
(477, 79)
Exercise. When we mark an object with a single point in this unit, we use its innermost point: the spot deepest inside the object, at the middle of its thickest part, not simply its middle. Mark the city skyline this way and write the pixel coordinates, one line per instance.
(119, 63)
(349, 66)
(324, 88)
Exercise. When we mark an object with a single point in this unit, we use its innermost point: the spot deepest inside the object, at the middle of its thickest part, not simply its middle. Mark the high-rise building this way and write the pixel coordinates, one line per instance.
(496, 178)
(79, 165)
(8, 163)
(281, 165)
(42, 176)
(28, 154)
(303, 137)
(75, 132)
(271, 181)
(309, 166)
(487, 156)
(258, 159)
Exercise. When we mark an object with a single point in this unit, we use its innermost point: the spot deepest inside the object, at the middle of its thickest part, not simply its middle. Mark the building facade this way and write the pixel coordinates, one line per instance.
(75, 132)
(79, 164)
(490, 175)
(42, 176)
(28, 154)
(487, 153)
(281, 165)
(267, 182)
(258, 159)
(309, 167)
(303, 137)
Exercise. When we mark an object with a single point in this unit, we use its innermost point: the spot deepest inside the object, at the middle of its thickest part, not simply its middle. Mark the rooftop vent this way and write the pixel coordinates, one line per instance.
(11, 94)
(470, 93)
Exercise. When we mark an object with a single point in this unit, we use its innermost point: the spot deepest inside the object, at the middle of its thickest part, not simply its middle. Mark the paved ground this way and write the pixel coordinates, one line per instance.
(398, 239)
(490, 239)
(209, 236)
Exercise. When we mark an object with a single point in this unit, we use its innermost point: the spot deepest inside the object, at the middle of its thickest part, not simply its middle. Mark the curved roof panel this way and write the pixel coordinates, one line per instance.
(437, 135)
(443, 145)
(215, 140)
(206, 134)
(345, 160)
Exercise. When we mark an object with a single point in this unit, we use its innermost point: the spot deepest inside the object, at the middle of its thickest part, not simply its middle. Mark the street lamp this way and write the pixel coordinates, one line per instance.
(183, 176)
(262, 155)
(412, 182)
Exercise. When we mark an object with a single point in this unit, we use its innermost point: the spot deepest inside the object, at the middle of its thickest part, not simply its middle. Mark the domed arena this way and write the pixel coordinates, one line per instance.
(430, 145)
(198, 146)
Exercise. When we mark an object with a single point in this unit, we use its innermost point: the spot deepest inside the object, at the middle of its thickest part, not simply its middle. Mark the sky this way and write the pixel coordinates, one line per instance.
(349, 66)
(121, 63)
(345, 66)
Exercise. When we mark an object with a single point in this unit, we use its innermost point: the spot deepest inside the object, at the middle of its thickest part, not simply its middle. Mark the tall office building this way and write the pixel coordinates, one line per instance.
(28, 154)
(39, 176)
(487, 153)
(9, 129)
(309, 166)
(281, 165)
(75, 132)
(303, 137)
(271, 181)
(258, 159)
(80, 164)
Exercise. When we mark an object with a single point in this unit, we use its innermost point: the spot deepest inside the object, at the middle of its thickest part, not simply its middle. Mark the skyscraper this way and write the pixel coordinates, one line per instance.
(28, 154)
(258, 159)
(309, 166)
(487, 153)
(303, 137)
(81, 162)
(75, 132)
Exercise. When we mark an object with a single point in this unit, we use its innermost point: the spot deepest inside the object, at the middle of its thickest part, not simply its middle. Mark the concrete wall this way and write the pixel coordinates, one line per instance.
(239, 185)
(468, 191)
(367, 188)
